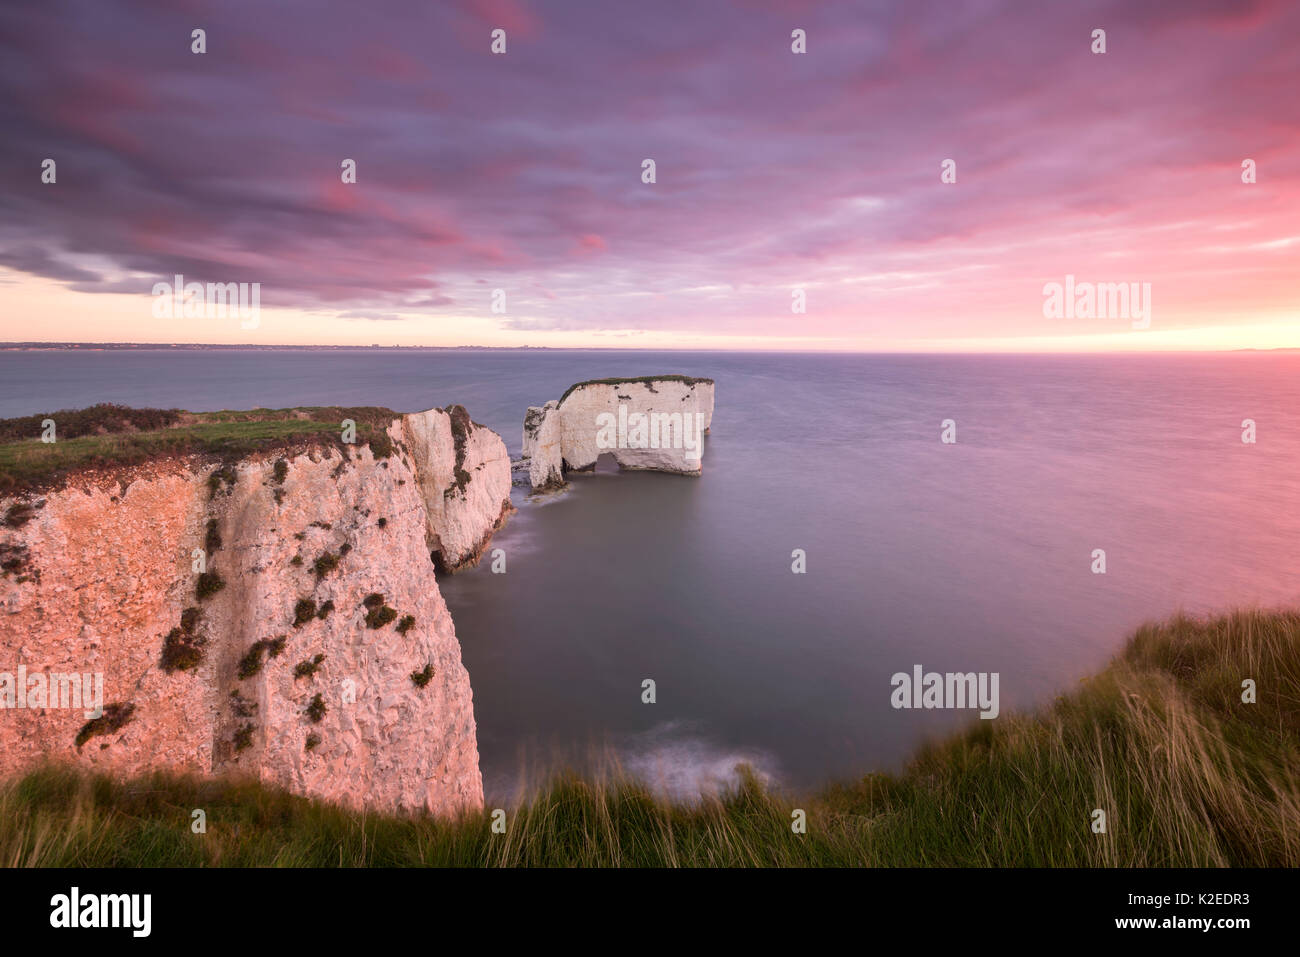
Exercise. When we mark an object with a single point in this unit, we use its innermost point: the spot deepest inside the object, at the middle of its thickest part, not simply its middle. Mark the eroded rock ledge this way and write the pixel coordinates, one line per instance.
(277, 616)
(651, 422)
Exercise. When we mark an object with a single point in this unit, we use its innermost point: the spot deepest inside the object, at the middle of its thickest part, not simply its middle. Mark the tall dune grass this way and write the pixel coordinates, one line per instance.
(1186, 773)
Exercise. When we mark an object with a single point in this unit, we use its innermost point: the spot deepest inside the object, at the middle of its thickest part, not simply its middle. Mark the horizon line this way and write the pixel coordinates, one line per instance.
(113, 345)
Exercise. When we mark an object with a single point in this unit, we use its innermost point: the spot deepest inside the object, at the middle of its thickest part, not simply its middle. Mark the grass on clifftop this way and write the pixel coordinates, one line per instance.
(1188, 776)
(108, 435)
(673, 377)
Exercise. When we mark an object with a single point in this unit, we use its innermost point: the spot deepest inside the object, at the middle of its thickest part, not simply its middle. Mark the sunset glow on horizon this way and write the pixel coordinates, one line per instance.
(778, 174)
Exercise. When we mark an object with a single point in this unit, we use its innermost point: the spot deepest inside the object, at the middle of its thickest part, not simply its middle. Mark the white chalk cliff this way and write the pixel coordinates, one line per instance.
(653, 423)
(464, 477)
(316, 653)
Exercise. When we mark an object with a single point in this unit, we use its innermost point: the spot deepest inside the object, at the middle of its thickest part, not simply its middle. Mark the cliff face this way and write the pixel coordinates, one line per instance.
(316, 651)
(464, 478)
(543, 445)
(650, 423)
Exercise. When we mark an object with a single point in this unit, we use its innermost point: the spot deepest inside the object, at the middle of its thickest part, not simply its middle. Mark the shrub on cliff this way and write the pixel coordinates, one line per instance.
(17, 560)
(113, 718)
(458, 483)
(251, 663)
(316, 710)
(208, 584)
(182, 647)
(20, 513)
(222, 478)
(380, 616)
(381, 444)
(303, 612)
(461, 428)
(243, 738)
(325, 564)
(180, 653)
(212, 537)
(308, 667)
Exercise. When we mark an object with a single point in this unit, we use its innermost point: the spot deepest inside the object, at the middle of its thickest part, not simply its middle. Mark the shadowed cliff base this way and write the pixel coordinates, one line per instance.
(1188, 774)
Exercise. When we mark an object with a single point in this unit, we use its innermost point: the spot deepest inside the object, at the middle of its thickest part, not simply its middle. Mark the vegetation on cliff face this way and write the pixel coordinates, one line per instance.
(19, 514)
(1188, 774)
(251, 663)
(317, 709)
(461, 428)
(533, 419)
(109, 435)
(378, 614)
(16, 560)
(183, 646)
(308, 667)
(112, 720)
(303, 612)
(207, 585)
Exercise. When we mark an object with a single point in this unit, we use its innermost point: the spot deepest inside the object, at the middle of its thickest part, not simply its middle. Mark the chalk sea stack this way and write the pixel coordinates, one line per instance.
(651, 422)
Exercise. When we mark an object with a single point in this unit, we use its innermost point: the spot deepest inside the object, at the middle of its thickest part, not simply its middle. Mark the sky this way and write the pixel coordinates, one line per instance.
(500, 198)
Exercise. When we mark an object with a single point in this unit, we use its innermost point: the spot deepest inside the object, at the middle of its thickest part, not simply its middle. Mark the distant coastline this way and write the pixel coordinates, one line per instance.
(379, 347)
(245, 346)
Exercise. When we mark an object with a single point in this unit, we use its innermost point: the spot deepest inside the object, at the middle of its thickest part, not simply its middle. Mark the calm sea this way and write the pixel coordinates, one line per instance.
(974, 556)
